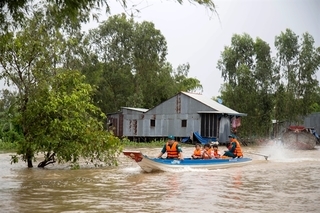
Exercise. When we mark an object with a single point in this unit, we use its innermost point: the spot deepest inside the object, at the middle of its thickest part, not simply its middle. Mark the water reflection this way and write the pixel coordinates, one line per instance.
(288, 182)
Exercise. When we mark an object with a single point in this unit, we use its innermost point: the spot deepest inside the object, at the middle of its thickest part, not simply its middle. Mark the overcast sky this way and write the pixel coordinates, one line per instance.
(197, 36)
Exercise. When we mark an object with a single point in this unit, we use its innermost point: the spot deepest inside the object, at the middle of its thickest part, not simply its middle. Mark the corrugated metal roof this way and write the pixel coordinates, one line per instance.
(220, 108)
(135, 109)
(218, 112)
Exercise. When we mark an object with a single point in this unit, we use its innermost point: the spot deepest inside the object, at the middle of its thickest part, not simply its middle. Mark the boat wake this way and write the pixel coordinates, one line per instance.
(131, 170)
(189, 169)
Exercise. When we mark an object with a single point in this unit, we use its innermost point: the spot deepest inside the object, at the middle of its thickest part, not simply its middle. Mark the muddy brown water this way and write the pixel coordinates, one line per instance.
(289, 181)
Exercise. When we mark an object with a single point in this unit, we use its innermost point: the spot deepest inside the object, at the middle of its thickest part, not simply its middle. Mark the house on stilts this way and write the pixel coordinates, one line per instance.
(185, 115)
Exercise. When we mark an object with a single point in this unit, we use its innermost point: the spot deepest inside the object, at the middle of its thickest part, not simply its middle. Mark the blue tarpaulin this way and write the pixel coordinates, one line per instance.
(203, 140)
(184, 140)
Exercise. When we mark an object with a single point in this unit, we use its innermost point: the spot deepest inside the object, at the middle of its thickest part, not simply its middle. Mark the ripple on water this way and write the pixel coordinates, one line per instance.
(287, 182)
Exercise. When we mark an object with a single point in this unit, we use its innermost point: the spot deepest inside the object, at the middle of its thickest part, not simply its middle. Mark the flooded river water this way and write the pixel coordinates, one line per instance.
(289, 181)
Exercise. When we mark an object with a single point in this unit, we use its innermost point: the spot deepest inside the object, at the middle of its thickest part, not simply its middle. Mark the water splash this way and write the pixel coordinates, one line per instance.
(278, 153)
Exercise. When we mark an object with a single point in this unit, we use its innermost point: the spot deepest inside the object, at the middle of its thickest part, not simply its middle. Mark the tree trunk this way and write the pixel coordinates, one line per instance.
(30, 163)
(49, 160)
(29, 158)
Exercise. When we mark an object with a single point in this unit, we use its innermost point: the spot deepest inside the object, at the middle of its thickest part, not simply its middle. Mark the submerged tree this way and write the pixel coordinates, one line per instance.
(65, 126)
(55, 111)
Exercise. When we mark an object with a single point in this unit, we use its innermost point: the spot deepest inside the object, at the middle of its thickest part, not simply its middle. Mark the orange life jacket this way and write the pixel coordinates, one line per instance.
(206, 154)
(197, 152)
(172, 152)
(216, 154)
(237, 150)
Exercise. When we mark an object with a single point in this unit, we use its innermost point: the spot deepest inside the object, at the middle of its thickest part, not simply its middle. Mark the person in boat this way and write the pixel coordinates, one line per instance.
(207, 153)
(197, 153)
(172, 148)
(234, 148)
(215, 151)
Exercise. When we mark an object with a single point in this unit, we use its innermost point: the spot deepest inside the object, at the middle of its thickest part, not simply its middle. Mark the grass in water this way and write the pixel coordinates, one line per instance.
(132, 144)
(152, 144)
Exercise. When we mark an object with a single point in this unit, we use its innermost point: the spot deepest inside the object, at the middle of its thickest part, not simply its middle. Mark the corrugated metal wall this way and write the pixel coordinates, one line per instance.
(131, 121)
(114, 121)
(168, 118)
(313, 120)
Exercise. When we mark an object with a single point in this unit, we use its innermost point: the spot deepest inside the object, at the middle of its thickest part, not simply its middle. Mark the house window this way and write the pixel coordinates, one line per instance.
(152, 122)
(183, 123)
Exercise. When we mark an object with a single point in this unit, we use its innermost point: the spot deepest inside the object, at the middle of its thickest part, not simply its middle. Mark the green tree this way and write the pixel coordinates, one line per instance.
(149, 55)
(132, 69)
(54, 105)
(247, 68)
(298, 60)
(183, 82)
(63, 124)
(26, 57)
(281, 88)
(10, 131)
(112, 43)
